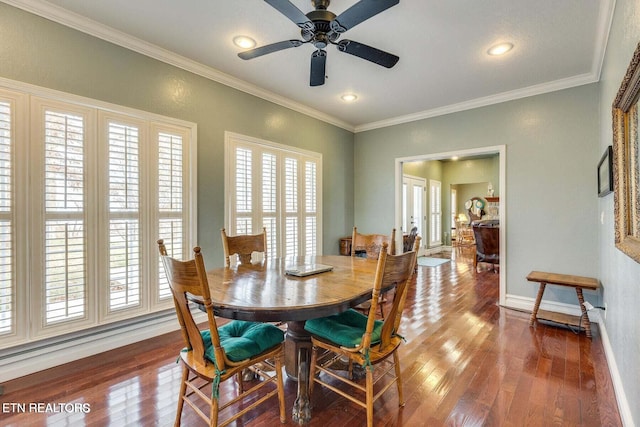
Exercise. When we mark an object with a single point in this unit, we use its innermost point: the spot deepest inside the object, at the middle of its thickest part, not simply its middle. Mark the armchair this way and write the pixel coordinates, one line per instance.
(487, 237)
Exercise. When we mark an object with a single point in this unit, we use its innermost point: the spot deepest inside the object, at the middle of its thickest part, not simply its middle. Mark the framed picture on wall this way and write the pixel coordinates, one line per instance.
(605, 173)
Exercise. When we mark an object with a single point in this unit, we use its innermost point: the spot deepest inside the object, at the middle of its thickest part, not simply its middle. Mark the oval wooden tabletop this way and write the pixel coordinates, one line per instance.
(263, 292)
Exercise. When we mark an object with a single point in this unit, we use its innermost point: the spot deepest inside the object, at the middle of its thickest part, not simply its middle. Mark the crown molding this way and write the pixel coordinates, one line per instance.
(605, 20)
(101, 31)
(87, 26)
(483, 102)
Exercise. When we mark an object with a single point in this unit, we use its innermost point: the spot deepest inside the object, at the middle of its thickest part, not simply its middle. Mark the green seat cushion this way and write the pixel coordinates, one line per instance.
(345, 329)
(242, 340)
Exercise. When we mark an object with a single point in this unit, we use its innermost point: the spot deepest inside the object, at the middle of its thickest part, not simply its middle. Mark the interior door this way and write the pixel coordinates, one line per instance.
(413, 204)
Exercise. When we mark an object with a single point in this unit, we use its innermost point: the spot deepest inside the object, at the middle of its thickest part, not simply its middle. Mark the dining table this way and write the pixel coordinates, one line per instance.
(264, 292)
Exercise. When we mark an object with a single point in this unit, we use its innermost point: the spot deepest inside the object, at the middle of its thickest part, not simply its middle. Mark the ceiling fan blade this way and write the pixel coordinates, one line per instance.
(369, 53)
(293, 13)
(360, 12)
(270, 48)
(318, 64)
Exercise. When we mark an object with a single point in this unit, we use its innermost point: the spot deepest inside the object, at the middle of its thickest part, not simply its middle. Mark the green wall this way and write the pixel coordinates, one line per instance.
(471, 177)
(549, 196)
(619, 274)
(37, 51)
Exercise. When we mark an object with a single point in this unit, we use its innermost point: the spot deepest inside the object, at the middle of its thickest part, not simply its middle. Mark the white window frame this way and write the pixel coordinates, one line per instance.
(19, 135)
(28, 104)
(259, 146)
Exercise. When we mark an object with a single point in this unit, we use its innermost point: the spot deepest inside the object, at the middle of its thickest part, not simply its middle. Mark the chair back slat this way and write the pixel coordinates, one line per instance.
(371, 244)
(190, 277)
(243, 246)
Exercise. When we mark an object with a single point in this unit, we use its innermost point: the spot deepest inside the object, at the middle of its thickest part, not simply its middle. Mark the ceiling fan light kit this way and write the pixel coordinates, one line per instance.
(321, 28)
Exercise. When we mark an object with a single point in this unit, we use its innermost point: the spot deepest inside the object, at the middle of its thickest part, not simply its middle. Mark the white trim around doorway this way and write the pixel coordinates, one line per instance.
(501, 150)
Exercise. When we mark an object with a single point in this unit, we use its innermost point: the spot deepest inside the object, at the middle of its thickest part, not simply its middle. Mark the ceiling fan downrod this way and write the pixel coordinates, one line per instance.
(320, 4)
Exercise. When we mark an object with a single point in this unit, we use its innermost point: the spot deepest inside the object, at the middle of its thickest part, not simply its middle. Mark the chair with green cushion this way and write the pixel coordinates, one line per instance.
(214, 355)
(363, 339)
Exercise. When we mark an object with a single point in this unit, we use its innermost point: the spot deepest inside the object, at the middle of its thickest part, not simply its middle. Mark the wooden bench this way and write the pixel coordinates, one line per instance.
(577, 282)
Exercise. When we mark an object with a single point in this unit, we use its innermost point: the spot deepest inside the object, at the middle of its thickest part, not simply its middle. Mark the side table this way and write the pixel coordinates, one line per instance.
(577, 282)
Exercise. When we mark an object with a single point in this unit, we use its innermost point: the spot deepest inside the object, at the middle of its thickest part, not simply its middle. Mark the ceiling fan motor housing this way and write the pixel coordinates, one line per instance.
(322, 35)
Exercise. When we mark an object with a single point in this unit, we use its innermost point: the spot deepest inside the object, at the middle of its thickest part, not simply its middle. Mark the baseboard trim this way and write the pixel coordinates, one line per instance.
(526, 304)
(21, 361)
(621, 397)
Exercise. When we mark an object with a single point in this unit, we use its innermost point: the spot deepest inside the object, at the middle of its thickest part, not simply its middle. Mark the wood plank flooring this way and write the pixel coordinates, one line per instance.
(466, 362)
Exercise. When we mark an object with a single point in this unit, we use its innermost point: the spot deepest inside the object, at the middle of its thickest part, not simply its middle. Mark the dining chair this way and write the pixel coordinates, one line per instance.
(464, 234)
(243, 246)
(407, 244)
(364, 340)
(216, 354)
(370, 245)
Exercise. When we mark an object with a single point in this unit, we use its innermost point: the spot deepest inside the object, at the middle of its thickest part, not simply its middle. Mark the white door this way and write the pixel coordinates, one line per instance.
(413, 204)
(435, 213)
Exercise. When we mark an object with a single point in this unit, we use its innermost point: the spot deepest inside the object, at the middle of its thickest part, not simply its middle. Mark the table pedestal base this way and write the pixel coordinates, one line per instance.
(297, 352)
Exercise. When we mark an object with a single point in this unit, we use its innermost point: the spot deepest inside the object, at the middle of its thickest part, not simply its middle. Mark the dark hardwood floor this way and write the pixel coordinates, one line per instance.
(466, 362)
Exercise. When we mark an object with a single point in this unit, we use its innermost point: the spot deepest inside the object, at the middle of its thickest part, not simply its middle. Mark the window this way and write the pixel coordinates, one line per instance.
(276, 187)
(435, 201)
(79, 235)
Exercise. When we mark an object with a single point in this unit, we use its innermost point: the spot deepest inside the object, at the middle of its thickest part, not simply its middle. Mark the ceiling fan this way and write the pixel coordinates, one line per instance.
(321, 27)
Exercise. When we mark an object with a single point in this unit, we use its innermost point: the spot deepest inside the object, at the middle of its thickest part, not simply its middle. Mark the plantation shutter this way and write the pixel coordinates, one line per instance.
(124, 216)
(275, 187)
(270, 201)
(311, 208)
(171, 199)
(244, 191)
(7, 195)
(291, 207)
(85, 192)
(65, 275)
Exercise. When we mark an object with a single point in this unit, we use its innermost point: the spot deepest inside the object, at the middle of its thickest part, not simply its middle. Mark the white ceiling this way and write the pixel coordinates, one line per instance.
(442, 47)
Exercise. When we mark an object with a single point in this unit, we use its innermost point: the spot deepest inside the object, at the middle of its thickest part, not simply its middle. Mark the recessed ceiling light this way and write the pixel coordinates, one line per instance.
(244, 42)
(500, 49)
(454, 158)
(349, 97)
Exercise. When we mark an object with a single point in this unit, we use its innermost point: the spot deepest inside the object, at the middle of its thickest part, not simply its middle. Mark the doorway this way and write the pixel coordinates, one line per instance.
(500, 152)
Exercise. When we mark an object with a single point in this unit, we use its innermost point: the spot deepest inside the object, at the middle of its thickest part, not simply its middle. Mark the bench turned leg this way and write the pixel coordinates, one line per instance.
(584, 319)
(536, 306)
